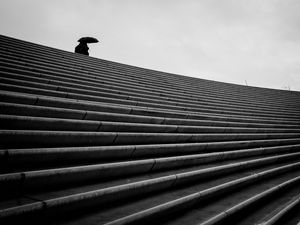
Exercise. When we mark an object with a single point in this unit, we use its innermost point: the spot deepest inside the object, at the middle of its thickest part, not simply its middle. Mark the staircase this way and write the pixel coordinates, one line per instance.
(89, 141)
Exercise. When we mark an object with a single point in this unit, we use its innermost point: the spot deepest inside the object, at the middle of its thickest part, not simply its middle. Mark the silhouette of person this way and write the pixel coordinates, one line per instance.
(82, 48)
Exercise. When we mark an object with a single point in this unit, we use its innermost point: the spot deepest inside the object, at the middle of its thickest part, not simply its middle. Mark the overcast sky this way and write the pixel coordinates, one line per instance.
(237, 41)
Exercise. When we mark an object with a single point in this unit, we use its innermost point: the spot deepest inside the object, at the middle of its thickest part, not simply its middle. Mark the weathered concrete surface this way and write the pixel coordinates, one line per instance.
(89, 141)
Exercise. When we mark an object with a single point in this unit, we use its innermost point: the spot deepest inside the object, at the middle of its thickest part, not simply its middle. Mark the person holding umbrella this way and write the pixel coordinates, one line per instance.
(82, 47)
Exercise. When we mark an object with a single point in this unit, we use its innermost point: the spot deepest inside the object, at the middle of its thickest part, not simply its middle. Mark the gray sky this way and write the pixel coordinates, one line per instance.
(235, 41)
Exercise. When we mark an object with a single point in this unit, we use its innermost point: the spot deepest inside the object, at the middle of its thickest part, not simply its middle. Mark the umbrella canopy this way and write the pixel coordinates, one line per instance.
(88, 40)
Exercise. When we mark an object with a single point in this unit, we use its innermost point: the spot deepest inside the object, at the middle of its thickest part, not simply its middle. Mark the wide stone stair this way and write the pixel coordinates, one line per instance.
(89, 141)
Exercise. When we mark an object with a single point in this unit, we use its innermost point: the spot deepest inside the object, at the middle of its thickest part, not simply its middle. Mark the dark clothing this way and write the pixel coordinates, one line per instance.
(82, 48)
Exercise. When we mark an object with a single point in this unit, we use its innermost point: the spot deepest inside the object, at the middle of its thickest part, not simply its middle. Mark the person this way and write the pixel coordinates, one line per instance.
(82, 48)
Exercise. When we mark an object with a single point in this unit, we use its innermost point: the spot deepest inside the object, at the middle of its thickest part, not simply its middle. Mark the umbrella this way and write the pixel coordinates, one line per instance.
(88, 40)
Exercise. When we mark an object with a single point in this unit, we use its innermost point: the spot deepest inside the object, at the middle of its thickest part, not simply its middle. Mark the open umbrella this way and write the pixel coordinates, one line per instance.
(88, 40)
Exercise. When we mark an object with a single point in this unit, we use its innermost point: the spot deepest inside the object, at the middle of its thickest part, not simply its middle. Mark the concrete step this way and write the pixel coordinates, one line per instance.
(105, 196)
(9, 122)
(54, 191)
(34, 138)
(63, 113)
(112, 90)
(62, 102)
(281, 214)
(18, 159)
(228, 215)
(85, 58)
(65, 93)
(63, 87)
(92, 80)
(150, 215)
(247, 205)
(61, 177)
